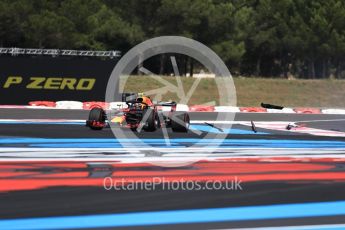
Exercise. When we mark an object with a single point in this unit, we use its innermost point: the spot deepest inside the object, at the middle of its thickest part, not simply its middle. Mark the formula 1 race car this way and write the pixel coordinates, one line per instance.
(142, 113)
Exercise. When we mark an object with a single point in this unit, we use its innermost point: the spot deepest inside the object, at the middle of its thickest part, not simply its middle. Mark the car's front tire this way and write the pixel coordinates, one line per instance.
(96, 119)
(152, 121)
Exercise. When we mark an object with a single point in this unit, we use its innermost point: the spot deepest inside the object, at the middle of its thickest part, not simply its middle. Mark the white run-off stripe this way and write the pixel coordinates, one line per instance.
(161, 154)
(299, 129)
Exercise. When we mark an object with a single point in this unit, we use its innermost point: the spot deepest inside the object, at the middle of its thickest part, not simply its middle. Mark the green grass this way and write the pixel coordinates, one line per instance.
(205, 92)
(253, 91)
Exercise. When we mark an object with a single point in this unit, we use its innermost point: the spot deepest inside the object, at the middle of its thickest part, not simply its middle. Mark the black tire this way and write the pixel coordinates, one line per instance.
(152, 122)
(180, 122)
(96, 114)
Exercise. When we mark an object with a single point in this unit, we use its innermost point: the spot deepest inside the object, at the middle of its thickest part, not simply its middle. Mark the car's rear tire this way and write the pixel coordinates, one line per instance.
(180, 122)
(152, 122)
(96, 115)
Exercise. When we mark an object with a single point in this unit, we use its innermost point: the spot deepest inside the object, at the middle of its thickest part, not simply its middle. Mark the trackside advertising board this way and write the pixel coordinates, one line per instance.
(24, 79)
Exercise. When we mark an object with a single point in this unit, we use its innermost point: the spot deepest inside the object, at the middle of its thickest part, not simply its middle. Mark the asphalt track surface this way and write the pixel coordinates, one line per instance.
(54, 189)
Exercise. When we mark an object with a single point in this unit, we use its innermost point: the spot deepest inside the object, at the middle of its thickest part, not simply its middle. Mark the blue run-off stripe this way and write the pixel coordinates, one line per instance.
(179, 216)
(177, 142)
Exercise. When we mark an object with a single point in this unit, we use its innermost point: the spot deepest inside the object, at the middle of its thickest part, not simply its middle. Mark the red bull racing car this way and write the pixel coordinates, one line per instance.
(142, 114)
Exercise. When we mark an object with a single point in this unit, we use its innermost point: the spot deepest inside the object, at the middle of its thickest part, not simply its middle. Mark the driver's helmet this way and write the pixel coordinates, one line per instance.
(147, 100)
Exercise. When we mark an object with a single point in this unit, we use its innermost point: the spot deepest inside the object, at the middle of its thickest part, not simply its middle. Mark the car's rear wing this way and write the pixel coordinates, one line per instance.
(166, 106)
(166, 103)
(129, 97)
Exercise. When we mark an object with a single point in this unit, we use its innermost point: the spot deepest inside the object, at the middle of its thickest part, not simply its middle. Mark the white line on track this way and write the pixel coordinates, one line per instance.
(42, 120)
(296, 227)
(192, 121)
